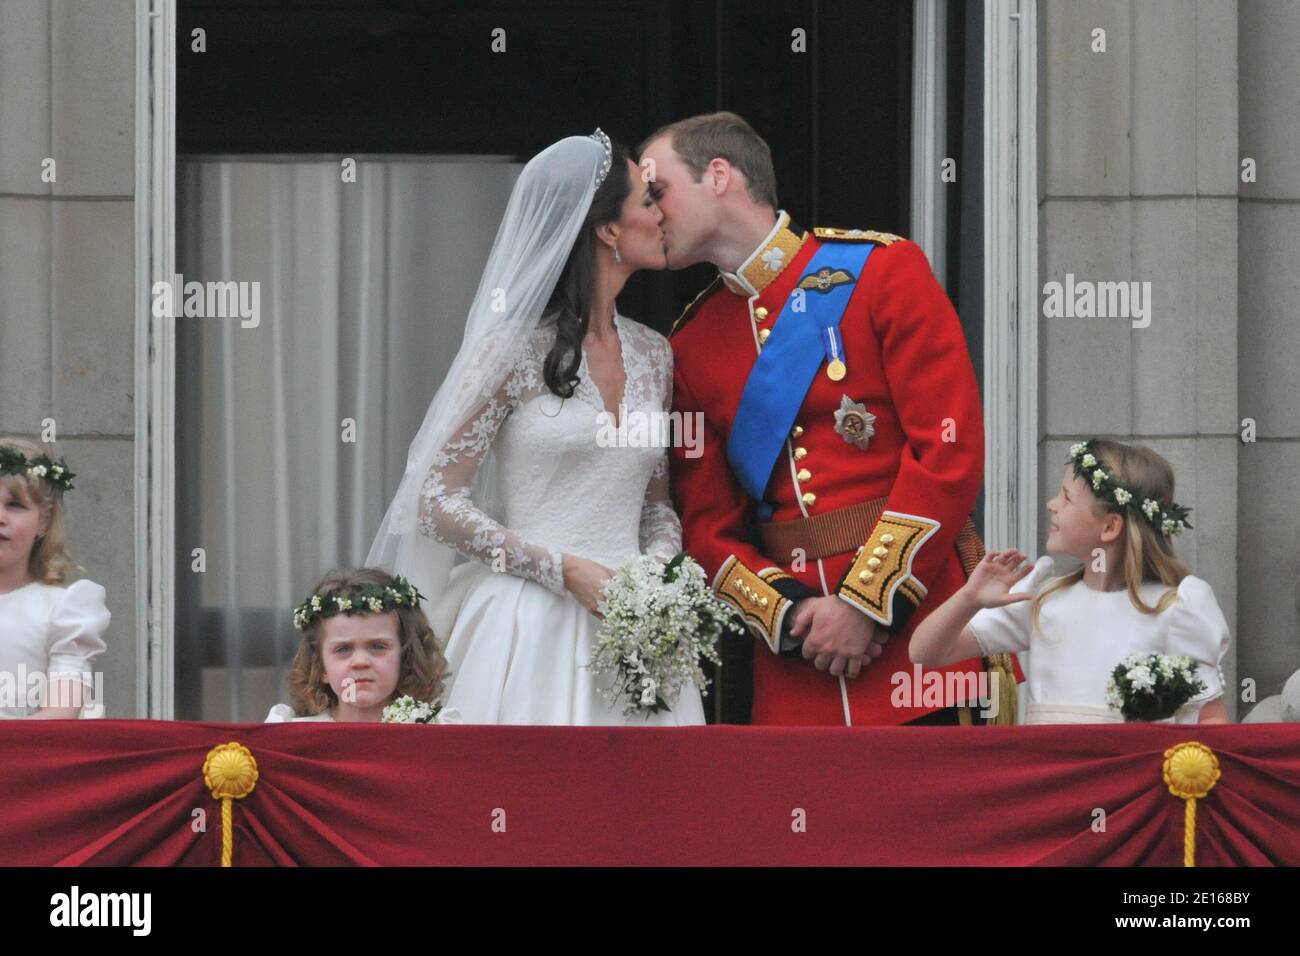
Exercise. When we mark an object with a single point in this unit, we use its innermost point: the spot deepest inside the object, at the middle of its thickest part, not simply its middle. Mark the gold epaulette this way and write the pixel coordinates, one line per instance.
(694, 304)
(855, 235)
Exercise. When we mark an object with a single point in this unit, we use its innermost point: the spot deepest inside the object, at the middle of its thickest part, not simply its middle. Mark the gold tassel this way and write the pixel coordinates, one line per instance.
(970, 551)
(1191, 770)
(1008, 699)
(230, 772)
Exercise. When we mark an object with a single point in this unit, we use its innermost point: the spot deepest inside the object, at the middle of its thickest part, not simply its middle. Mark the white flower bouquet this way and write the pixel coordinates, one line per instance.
(408, 710)
(659, 621)
(1152, 686)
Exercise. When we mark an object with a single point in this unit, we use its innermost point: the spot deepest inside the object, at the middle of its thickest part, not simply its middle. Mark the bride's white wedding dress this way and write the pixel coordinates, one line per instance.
(516, 641)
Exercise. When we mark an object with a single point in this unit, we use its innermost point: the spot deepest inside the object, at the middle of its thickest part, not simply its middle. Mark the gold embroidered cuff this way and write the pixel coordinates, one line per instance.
(761, 605)
(774, 574)
(884, 566)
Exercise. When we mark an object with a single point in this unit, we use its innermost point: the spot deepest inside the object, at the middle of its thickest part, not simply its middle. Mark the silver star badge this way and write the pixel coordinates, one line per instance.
(854, 422)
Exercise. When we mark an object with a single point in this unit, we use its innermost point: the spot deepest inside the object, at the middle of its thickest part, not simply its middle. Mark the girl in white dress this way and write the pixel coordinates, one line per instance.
(540, 460)
(50, 631)
(365, 643)
(1114, 513)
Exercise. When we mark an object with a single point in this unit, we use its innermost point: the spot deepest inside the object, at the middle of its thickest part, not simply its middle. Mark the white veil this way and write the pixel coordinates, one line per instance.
(547, 207)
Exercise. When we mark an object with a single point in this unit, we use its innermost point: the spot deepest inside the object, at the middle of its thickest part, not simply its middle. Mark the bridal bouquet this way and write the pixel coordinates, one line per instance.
(1152, 686)
(659, 621)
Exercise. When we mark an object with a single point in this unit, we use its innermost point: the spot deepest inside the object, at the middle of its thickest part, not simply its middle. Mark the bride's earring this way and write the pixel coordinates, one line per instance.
(617, 257)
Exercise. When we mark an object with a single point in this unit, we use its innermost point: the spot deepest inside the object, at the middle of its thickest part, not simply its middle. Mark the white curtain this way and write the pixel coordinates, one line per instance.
(364, 287)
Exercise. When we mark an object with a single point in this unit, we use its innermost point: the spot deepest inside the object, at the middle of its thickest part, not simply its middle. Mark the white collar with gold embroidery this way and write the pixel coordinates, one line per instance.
(767, 260)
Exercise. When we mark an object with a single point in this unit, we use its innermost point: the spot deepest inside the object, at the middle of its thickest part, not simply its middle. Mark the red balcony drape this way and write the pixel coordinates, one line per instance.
(118, 792)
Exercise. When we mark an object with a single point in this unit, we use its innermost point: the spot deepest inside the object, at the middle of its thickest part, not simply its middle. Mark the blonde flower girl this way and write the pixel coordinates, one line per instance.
(51, 630)
(1115, 513)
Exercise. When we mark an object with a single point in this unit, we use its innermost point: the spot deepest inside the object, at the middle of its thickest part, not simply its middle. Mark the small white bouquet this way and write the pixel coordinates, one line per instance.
(1152, 687)
(408, 710)
(660, 619)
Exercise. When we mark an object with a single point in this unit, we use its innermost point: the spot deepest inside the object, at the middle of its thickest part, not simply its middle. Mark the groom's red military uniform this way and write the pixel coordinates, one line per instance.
(877, 477)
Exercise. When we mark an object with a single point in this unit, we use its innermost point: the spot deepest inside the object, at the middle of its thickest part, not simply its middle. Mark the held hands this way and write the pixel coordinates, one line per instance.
(990, 583)
(836, 636)
(585, 580)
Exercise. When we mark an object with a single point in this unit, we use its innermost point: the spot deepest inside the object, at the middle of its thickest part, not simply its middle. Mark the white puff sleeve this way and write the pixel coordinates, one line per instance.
(449, 715)
(279, 714)
(999, 630)
(1198, 629)
(78, 621)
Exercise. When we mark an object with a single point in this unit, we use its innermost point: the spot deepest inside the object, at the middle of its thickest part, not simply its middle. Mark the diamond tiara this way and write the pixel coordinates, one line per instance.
(600, 137)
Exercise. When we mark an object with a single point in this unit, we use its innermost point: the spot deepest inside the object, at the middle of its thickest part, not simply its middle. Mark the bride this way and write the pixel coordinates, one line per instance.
(511, 467)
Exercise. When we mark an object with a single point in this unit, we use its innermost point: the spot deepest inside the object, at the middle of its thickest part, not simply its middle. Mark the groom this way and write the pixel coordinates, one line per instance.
(843, 443)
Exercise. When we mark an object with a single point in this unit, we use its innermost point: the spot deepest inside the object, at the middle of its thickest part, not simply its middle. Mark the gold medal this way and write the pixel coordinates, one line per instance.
(835, 370)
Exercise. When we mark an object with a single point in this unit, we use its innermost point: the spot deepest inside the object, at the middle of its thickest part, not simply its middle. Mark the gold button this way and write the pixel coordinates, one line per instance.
(760, 313)
(804, 474)
(763, 334)
(865, 576)
(800, 454)
(798, 430)
(762, 602)
(809, 498)
(880, 552)
(886, 539)
(873, 563)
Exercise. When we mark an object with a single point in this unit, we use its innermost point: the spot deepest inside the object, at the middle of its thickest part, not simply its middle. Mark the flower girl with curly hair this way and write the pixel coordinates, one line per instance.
(1115, 513)
(365, 644)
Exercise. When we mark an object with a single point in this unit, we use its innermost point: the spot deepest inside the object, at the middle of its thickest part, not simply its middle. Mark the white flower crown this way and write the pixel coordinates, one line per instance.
(359, 599)
(1167, 520)
(14, 462)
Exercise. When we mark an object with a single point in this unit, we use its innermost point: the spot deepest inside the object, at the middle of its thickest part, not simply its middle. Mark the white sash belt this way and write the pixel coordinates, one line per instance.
(1071, 714)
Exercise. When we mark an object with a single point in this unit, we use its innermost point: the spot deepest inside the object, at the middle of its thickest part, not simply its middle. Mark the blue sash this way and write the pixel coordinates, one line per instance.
(787, 365)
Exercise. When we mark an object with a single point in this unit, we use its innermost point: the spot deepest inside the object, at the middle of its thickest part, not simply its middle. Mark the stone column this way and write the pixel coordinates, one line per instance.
(67, 254)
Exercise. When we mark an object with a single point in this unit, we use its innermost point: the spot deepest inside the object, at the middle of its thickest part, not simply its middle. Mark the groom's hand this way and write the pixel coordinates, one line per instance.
(837, 637)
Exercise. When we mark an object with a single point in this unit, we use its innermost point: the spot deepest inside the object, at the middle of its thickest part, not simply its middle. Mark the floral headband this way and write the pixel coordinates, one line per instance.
(359, 599)
(14, 462)
(1168, 521)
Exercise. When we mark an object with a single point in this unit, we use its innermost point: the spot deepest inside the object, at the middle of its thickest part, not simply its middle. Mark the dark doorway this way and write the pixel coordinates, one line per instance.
(419, 76)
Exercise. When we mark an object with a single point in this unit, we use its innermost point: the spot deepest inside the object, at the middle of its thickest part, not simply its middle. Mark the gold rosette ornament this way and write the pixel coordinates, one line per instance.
(230, 772)
(1191, 771)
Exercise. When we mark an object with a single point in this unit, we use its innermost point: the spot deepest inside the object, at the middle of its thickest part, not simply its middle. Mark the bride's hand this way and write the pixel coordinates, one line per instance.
(584, 580)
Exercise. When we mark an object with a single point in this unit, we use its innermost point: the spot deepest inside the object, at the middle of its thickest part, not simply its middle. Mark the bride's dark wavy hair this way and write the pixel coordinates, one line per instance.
(569, 307)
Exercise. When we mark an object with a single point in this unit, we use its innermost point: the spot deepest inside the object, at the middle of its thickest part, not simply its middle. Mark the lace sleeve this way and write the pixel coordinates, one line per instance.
(448, 514)
(661, 529)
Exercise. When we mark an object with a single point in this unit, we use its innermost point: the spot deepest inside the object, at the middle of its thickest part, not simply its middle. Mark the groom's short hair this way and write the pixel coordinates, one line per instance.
(700, 139)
